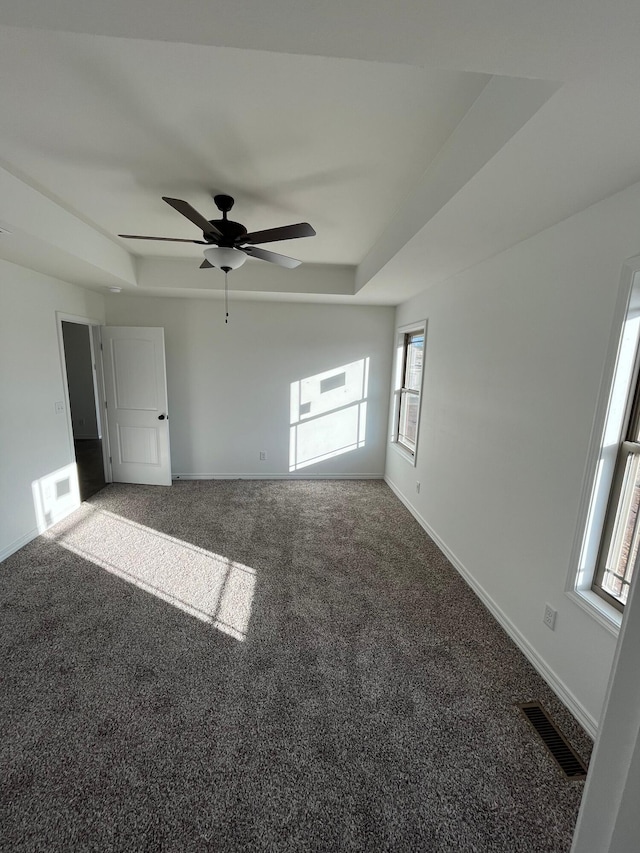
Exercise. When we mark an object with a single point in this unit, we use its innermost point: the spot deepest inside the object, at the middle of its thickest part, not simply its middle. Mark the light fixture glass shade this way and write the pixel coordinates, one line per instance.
(225, 258)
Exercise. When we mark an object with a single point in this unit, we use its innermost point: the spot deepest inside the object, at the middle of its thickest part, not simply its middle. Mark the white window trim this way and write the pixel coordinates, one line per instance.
(598, 476)
(398, 361)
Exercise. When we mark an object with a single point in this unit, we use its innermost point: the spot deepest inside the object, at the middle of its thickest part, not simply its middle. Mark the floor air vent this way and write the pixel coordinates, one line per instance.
(569, 762)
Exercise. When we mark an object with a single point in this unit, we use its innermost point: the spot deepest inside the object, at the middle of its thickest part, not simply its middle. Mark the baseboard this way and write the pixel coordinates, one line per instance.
(586, 720)
(18, 543)
(379, 476)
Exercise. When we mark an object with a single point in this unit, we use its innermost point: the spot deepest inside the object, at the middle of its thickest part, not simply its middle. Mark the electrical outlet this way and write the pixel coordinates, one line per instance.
(263, 455)
(418, 486)
(549, 617)
(59, 407)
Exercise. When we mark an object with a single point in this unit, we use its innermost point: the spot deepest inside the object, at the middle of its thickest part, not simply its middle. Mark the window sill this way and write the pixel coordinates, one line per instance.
(409, 457)
(596, 607)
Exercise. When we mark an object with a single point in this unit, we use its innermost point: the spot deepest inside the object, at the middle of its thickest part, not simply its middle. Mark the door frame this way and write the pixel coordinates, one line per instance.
(95, 344)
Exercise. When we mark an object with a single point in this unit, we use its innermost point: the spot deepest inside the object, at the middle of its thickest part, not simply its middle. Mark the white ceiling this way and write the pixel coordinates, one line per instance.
(380, 124)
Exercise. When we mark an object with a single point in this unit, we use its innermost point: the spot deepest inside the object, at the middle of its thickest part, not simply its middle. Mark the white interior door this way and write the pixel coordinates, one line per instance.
(137, 416)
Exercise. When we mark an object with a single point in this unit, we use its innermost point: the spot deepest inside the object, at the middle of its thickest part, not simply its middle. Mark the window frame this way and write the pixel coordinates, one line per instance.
(628, 447)
(607, 433)
(400, 390)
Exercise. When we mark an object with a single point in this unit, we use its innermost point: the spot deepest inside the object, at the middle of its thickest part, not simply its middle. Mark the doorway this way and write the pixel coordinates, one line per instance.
(83, 405)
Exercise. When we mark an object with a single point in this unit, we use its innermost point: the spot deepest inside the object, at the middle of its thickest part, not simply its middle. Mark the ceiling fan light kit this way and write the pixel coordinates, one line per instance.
(225, 258)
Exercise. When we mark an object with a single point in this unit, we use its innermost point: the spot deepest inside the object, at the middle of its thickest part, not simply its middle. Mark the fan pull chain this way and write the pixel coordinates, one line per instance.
(226, 298)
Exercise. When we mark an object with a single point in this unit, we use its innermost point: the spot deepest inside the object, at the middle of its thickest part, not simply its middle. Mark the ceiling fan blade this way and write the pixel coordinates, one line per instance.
(272, 257)
(205, 265)
(287, 232)
(171, 239)
(192, 214)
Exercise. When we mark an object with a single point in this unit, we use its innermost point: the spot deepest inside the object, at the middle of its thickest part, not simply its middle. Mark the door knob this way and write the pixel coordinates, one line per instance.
(161, 417)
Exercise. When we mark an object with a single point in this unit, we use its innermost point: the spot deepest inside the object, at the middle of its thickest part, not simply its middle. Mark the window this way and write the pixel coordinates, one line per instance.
(408, 387)
(610, 542)
(621, 534)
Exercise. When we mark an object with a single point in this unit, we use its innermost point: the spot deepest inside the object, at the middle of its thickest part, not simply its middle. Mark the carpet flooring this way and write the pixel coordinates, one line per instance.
(264, 666)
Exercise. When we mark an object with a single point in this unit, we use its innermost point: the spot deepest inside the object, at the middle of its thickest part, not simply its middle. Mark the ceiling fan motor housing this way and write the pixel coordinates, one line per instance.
(230, 230)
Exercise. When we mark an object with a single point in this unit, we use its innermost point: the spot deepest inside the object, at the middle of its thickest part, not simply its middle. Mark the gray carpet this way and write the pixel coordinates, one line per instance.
(263, 666)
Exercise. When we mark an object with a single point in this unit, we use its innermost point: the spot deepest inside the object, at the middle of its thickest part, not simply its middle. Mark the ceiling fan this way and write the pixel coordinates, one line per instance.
(229, 242)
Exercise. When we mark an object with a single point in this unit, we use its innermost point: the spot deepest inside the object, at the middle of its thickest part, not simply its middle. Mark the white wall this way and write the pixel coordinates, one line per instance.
(82, 400)
(34, 439)
(514, 358)
(229, 386)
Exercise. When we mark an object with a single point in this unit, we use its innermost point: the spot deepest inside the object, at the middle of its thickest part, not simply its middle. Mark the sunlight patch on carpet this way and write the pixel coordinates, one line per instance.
(203, 584)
